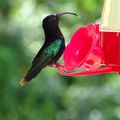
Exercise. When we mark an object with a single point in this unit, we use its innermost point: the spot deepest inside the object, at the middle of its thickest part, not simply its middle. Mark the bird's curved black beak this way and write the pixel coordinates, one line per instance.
(65, 13)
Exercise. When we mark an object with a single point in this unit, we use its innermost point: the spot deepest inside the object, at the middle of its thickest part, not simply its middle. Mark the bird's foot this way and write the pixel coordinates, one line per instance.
(52, 65)
(58, 65)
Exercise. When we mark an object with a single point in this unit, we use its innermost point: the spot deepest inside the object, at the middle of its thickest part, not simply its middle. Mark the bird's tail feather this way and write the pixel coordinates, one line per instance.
(23, 82)
(34, 70)
(29, 76)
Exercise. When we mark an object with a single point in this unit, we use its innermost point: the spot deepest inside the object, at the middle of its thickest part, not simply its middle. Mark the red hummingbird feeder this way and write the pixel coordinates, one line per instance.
(96, 48)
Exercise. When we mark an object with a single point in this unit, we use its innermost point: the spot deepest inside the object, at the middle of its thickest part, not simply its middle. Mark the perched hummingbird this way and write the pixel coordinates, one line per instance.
(52, 48)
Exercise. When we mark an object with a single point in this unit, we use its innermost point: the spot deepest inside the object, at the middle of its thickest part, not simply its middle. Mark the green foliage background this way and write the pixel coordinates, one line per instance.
(50, 96)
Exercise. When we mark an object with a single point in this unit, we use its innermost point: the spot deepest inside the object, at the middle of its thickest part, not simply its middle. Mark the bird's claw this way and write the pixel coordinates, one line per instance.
(54, 65)
(51, 65)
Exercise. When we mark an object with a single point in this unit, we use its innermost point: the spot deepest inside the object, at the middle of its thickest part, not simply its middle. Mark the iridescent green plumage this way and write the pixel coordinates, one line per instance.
(47, 55)
(53, 48)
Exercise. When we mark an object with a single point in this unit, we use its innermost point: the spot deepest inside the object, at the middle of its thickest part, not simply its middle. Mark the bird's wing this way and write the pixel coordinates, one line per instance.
(39, 53)
(46, 56)
(48, 50)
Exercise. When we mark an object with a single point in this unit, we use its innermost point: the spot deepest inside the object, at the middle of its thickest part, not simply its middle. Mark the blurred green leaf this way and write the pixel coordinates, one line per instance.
(50, 96)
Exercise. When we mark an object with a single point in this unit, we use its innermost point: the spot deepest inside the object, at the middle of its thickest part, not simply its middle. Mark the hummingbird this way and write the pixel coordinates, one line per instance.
(52, 48)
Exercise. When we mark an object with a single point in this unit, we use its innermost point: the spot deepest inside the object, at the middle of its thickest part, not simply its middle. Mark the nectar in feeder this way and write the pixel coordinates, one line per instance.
(110, 32)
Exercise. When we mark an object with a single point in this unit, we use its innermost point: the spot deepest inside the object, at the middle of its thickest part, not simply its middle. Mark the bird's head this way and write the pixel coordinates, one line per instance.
(52, 21)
